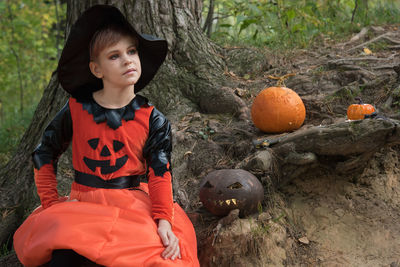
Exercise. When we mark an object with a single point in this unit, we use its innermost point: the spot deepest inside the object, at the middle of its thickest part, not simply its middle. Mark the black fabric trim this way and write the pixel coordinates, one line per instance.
(158, 147)
(116, 183)
(55, 139)
(67, 258)
(113, 117)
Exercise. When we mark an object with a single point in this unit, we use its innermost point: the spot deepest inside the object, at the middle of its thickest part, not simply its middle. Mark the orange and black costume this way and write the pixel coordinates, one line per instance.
(113, 224)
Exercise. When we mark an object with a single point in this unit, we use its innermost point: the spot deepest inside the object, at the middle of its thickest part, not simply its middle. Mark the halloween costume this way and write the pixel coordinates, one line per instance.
(113, 223)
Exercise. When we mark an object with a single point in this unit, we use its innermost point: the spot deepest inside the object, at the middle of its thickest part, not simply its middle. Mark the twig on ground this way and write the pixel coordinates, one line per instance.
(394, 41)
(345, 60)
(383, 67)
(358, 36)
(382, 36)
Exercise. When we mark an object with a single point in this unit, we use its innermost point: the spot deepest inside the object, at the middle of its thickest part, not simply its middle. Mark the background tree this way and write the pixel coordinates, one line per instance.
(32, 33)
(361, 7)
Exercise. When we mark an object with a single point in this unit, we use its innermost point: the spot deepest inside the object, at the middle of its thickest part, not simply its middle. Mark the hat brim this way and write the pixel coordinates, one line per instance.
(73, 67)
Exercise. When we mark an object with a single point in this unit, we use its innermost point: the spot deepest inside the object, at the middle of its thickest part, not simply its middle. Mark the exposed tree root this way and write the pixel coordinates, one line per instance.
(386, 36)
(345, 146)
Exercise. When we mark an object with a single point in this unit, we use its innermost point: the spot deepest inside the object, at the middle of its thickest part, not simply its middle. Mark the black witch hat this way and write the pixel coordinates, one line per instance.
(73, 67)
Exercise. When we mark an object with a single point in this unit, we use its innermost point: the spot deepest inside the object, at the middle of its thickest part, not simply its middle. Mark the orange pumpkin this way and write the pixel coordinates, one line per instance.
(277, 110)
(358, 111)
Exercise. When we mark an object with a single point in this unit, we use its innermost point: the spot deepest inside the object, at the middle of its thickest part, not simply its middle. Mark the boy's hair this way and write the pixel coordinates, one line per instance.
(106, 37)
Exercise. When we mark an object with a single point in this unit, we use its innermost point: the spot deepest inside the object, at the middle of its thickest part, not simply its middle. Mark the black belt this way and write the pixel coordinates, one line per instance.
(116, 183)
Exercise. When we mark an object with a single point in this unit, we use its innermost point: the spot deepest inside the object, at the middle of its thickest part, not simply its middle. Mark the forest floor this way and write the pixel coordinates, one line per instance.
(322, 217)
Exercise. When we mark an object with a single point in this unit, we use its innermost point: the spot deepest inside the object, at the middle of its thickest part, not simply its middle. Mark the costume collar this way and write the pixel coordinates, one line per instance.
(113, 117)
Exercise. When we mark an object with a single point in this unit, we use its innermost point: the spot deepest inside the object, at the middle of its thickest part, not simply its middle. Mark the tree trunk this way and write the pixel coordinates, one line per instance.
(210, 18)
(18, 193)
(190, 79)
(361, 8)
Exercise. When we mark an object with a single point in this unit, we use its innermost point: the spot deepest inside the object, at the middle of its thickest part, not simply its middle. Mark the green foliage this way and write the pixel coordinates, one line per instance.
(32, 36)
(4, 251)
(288, 24)
(5, 248)
(28, 51)
(11, 131)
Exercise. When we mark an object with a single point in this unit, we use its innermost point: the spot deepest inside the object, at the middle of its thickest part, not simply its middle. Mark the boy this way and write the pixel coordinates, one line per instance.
(117, 136)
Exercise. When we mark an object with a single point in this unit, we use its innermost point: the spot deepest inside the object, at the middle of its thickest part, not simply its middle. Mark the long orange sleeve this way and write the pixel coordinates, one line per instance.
(160, 190)
(55, 141)
(46, 185)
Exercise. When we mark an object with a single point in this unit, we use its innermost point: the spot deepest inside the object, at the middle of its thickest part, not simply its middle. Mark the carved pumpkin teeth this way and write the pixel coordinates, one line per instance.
(105, 165)
(112, 161)
(113, 168)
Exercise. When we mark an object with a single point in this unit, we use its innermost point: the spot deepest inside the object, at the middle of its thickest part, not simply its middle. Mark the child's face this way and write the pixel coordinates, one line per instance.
(118, 65)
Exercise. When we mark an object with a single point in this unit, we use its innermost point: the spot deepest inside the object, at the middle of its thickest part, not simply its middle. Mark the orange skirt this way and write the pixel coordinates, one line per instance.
(111, 227)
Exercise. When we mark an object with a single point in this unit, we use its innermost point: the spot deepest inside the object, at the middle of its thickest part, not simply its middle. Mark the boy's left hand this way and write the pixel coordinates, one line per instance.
(170, 241)
(68, 199)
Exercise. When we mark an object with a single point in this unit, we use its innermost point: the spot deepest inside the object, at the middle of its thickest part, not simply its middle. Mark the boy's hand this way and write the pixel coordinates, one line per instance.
(68, 199)
(170, 241)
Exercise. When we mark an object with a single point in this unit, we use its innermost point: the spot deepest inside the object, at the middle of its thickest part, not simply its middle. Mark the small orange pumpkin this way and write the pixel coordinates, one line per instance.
(277, 110)
(358, 111)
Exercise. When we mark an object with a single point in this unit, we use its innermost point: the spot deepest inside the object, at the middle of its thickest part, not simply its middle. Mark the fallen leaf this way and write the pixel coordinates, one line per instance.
(304, 240)
(367, 51)
(188, 153)
(240, 92)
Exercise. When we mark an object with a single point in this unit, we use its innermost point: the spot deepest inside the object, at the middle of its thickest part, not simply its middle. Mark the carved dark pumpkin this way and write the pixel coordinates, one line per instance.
(224, 190)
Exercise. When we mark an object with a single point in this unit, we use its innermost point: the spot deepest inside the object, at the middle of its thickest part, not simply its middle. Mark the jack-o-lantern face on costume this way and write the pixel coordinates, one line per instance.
(104, 165)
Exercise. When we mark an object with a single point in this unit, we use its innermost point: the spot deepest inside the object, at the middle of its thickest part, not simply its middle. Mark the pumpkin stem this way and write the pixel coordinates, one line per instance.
(360, 102)
(281, 79)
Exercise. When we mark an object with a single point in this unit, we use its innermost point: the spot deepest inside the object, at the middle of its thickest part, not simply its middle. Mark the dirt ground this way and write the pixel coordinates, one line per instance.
(321, 218)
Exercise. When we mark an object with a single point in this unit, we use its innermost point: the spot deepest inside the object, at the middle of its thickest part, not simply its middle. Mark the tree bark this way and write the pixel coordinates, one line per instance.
(191, 79)
(18, 193)
(362, 7)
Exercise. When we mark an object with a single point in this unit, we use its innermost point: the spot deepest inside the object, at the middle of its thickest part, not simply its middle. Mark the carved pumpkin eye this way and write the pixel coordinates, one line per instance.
(105, 152)
(117, 145)
(93, 143)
